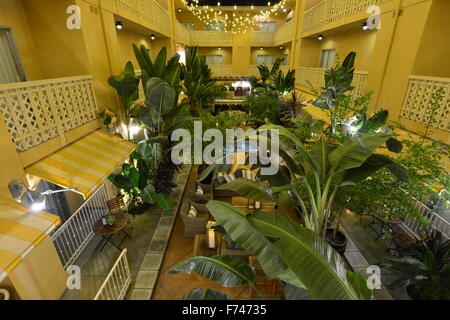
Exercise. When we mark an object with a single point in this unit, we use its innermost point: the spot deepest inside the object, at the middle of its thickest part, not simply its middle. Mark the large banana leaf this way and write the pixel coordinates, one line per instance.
(314, 261)
(222, 269)
(249, 189)
(234, 221)
(200, 294)
(356, 150)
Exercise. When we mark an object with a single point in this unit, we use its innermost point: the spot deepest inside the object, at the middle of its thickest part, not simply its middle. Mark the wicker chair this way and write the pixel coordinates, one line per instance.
(197, 225)
(200, 198)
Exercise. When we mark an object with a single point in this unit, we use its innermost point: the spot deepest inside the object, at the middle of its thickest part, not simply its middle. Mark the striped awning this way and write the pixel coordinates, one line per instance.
(21, 230)
(85, 163)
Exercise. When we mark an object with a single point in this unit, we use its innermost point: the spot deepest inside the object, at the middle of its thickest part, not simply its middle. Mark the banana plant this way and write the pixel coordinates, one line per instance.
(127, 87)
(198, 85)
(200, 294)
(285, 250)
(169, 71)
(268, 74)
(311, 177)
(284, 83)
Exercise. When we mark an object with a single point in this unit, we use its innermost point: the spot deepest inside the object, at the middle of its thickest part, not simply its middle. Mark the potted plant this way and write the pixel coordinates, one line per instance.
(426, 271)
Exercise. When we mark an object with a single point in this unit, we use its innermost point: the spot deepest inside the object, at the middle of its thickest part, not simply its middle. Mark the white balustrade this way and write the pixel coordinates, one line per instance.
(315, 76)
(417, 107)
(71, 238)
(329, 11)
(37, 111)
(117, 282)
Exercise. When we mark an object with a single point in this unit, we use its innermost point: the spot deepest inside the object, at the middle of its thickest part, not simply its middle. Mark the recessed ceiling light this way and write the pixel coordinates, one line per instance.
(180, 10)
(320, 37)
(119, 25)
(152, 37)
(365, 26)
(285, 10)
(262, 48)
(281, 48)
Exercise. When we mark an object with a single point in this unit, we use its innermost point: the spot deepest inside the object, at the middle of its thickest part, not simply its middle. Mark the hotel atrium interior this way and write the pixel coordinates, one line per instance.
(224, 150)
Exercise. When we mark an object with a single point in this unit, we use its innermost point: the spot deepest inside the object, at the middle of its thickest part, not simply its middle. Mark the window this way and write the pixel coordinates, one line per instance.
(285, 59)
(268, 26)
(214, 26)
(264, 59)
(327, 58)
(213, 59)
(11, 68)
(189, 25)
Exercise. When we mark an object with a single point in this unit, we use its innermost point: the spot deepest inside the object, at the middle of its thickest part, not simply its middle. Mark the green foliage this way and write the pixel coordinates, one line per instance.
(427, 268)
(200, 294)
(263, 107)
(198, 85)
(284, 83)
(320, 171)
(291, 253)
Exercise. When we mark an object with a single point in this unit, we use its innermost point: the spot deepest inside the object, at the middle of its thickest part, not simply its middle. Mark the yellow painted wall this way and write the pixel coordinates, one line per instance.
(357, 40)
(61, 52)
(433, 57)
(274, 51)
(402, 58)
(126, 38)
(12, 14)
(226, 53)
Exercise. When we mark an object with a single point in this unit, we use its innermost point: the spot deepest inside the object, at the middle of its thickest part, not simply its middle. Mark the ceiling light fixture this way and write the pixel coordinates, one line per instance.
(365, 27)
(180, 10)
(281, 48)
(119, 25)
(320, 37)
(152, 37)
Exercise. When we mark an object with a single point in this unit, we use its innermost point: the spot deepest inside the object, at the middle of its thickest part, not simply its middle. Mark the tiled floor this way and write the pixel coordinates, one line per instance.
(145, 252)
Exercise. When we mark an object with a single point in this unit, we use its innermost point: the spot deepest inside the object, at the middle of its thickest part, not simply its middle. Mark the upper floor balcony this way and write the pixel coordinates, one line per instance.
(285, 33)
(149, 13)
(332, 13)
(45, 115)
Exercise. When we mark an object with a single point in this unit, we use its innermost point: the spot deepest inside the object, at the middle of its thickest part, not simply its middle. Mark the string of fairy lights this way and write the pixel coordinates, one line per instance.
(217, 18)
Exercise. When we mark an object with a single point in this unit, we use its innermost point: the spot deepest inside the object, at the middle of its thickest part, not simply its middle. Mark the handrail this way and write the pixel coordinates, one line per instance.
(37, 111)
(71, 238)
(117, 282)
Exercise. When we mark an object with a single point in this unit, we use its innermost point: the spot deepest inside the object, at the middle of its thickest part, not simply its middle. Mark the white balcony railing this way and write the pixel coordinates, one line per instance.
(150, 11)
(117, 282)
(416, 106)
(315, 76)
(75, 234)
(329, 11)
(433, 222)
(211, 37)
(222, 70)
(285, 33)
(182, 34)
(262, 38)
(37, 111)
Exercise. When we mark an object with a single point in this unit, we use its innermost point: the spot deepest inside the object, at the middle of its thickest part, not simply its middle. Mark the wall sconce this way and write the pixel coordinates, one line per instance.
(152, 37)
(119, 25)
(320, 37)
(33, 200)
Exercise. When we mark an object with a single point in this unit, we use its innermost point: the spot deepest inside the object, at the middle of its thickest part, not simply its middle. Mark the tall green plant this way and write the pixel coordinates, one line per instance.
(285, 251)
(127, 87)
(318, 173)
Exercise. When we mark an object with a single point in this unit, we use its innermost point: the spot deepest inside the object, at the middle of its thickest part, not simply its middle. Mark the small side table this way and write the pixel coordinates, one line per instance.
(201, 245)
(108, 231)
